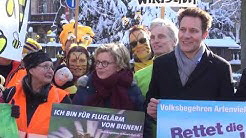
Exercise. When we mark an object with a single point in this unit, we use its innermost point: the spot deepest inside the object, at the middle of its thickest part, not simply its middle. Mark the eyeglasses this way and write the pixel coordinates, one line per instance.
(46, 67)
(141, 40)
(103, 63)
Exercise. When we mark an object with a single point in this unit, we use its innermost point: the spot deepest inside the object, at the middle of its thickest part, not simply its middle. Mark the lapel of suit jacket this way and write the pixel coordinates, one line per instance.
(201, 66)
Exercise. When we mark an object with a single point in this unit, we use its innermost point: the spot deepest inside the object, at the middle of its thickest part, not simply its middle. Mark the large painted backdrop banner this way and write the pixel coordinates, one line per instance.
(13, 27)
(206, 119)
(8, 127)
(74, 121)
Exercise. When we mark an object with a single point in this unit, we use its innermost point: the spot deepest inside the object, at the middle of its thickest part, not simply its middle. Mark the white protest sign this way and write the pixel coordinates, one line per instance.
(13, 27)
(171, 3)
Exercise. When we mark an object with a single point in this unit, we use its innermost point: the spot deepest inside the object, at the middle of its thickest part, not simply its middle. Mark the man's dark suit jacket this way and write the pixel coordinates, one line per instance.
(241, 90)
(211, 79)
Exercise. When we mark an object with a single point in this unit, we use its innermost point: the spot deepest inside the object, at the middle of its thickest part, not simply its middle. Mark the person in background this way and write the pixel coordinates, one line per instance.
(85, 36)
(30, 45)
(77, 61)
(35, 96)
(14, 109)
(111, 85)
(140, 47)
(163, 39)
(67, 38)
(8, 68)
(191, 71)
(77, 65)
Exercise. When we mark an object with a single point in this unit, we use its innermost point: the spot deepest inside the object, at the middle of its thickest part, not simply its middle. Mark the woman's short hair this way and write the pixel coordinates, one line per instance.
(172, 29)
(118, 51)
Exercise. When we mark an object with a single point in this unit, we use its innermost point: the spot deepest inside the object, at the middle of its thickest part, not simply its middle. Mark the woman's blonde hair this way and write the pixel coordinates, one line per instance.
(118, 51)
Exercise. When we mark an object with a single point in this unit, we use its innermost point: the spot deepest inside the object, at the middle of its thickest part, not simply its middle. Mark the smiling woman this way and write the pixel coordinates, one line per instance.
(111, 85)
(35, 95)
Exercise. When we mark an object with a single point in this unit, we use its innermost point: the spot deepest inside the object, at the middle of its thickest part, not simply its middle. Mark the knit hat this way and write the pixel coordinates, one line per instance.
(33, 59)
(30, 46)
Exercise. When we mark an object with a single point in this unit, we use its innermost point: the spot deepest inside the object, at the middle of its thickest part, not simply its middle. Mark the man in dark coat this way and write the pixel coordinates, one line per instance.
(241, 90)
(191, 71)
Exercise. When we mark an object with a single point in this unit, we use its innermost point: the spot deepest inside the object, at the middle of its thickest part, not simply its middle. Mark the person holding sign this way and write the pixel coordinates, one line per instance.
(35, 96)
(192, 71)
(111, 85)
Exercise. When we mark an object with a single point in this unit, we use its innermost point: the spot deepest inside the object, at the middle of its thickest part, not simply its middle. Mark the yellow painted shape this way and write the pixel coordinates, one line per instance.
(10, 7)
(2, 43)
(22, 2)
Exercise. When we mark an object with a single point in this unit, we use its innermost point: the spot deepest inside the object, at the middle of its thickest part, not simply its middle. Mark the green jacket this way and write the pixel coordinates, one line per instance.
(143, 78)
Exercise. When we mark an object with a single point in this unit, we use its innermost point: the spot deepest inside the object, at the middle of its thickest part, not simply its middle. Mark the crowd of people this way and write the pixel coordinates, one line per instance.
(169, 63)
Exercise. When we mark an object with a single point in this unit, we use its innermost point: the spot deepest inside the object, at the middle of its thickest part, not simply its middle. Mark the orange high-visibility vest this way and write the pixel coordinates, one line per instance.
(17, 78)
(15, 68)
(39, 124)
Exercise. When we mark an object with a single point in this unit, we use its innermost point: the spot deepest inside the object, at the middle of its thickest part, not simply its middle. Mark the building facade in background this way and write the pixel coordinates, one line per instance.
(46, 15)
(42, 17)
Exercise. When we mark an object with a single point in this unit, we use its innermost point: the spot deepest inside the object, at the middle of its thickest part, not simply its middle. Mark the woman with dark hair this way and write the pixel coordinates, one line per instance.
(35, 96)
(77, 61)
(77, 64)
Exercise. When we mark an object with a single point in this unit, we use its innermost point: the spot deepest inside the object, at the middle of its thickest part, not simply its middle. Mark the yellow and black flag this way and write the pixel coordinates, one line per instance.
(22, 6)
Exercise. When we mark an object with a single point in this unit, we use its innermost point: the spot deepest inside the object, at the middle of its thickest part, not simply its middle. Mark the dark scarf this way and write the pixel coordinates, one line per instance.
(30, 94)
(113, 90)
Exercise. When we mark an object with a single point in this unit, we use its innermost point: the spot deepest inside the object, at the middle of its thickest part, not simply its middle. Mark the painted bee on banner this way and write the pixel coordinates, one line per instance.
(16, 42)
(3, 41)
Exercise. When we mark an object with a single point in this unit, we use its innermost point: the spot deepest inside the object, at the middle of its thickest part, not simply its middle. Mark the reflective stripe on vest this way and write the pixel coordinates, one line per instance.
(30, 135)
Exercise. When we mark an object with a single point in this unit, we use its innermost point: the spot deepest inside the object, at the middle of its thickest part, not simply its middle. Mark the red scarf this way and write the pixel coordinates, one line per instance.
(114, 89)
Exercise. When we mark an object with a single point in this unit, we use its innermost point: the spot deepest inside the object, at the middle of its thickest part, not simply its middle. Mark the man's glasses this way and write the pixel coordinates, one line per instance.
(103, 63)
(46, 67)
(141, 40)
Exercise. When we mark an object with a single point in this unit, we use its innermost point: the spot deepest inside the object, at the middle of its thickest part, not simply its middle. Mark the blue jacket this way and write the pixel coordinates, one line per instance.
(86, 89)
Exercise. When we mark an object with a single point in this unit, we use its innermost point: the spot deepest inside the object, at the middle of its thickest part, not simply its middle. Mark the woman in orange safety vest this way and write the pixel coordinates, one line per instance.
(35, 96)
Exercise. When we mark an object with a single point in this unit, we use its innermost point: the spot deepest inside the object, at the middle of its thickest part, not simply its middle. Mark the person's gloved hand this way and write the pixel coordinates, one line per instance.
(15, 110)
